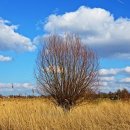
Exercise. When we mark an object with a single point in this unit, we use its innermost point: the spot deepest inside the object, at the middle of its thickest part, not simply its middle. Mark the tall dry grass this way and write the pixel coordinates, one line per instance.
(41, 114)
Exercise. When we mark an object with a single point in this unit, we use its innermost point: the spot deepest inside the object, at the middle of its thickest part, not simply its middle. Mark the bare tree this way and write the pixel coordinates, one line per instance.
(66, 69)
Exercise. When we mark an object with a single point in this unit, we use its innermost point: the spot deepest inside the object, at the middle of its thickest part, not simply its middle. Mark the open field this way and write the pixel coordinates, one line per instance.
(41, 114)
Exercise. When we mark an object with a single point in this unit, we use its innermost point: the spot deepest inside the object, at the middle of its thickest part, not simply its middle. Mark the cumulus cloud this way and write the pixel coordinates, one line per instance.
(5, 58)
(97, 27)
(12, 40)
(114, 71)
(114, 78)
(17, 85)
(18, 88)
(107, 86)
(122, 56)
(126, 80)
(127, 69)
(108, 78)
(110, 71)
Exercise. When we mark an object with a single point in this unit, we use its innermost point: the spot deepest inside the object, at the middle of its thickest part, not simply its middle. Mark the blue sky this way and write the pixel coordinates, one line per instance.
(103, 24)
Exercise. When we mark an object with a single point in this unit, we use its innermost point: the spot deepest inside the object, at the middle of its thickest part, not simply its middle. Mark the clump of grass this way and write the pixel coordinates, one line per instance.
(42, 114)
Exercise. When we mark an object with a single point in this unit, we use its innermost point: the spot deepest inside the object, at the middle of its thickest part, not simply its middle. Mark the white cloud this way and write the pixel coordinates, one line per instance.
(5, 58)
(12, 40)
(127, 69)
(114, 71)
(122, 56)
(18, 88)
(110, 71)
(114, 78)
(104, 83)
(108, 78)
(125, 80)
(17, 85)
(107, 86)
(97, 27)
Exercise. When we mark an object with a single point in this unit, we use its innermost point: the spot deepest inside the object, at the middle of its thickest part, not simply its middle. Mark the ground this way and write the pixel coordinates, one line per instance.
(42, 114)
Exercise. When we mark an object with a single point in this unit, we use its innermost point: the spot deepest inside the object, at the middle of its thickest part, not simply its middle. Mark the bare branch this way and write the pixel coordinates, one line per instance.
(66, 69)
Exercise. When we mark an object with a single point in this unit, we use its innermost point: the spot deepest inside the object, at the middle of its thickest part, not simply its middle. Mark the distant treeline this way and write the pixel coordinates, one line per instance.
(123, 94)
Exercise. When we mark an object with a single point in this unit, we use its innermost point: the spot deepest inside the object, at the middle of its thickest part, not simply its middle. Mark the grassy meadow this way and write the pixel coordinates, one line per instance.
(42, 114)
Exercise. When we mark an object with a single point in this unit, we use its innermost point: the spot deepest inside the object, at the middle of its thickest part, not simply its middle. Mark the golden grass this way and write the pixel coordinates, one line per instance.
(41, 114)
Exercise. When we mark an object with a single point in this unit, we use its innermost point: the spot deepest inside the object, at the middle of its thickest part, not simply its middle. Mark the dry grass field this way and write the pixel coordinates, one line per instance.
(42, 114)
